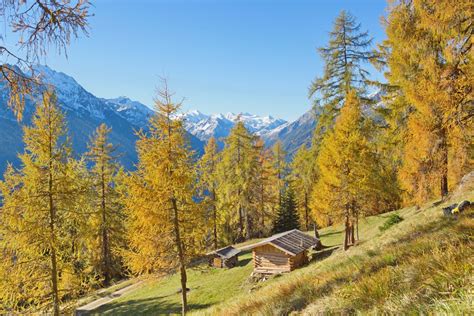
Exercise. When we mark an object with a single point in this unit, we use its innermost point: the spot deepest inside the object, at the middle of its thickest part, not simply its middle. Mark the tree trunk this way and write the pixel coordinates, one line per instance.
(182, 263)
(346, 234)
(444, 164)
(52, 222)
(105, 238)
(357, 226)
(215, 217)
(352, 234)
(241, 223)
(248, 229)
(306, 211)
(54, 268)
(315, 227)
(248, 226)
(262, 209)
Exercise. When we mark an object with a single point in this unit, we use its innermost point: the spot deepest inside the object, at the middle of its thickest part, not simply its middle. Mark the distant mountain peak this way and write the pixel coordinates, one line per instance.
(205, 126)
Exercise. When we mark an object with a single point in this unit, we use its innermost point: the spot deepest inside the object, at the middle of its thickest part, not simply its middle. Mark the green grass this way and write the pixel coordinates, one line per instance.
(211, 286)
(71, 306)
(360, 279)
(392, 220)
(208, 286)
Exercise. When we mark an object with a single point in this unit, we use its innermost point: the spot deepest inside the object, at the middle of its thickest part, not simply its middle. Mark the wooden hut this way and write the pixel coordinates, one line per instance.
(226, 257)
(283, 252)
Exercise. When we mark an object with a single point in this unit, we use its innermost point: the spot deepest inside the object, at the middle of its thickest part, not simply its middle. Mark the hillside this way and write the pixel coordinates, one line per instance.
(377, 275)
(295, 134)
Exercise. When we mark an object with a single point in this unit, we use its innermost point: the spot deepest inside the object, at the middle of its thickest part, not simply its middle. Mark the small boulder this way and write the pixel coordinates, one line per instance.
(447, 211)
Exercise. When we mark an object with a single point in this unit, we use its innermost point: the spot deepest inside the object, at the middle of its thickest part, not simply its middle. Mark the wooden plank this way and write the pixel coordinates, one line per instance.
(271, 271)
(272, 259)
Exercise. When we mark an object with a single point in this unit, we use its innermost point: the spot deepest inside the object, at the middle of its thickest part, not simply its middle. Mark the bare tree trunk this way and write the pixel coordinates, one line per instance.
(352, 233)
(306, 212)
(215, 217)
(241, 220)
(52, 222)
(315, 228)
(182, 263)
(444, 164)
(248, 226)
(346, 234)
(105, 237)
(357, 226)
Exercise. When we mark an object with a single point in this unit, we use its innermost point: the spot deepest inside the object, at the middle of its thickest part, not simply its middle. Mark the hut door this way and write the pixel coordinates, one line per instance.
(218, 262)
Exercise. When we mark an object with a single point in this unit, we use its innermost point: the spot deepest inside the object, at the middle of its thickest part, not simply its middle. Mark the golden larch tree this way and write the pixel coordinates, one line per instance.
(107, 218)
(265, 198)
(429, 58)
(208, 182)
(38, 207)
(236, 171)
(345, 166)
(280, 167)
(164, 223)
(302, 179)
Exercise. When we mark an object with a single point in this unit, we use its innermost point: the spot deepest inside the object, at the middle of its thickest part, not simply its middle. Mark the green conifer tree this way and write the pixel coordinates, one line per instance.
(344, 58)
(287, 217)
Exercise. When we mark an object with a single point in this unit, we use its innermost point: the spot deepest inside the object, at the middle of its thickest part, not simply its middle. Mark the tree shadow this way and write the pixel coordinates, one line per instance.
(149, 306)
(243, 262)
(323, 254)
(331, 233)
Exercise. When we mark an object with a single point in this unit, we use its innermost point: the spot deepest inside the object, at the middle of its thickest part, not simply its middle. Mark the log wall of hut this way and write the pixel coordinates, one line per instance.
(269, 259)
(218, 262)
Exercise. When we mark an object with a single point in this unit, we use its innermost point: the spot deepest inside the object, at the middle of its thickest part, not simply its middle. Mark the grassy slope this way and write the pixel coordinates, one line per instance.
(363, 277)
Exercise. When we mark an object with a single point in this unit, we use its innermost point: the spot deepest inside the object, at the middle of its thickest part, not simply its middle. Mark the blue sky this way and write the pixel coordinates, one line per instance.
(255, 56)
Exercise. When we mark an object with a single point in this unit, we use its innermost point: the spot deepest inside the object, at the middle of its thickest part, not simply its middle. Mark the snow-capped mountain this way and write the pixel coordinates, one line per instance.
(84, 113)
(133, 111)
(205, 126)
(293, 134)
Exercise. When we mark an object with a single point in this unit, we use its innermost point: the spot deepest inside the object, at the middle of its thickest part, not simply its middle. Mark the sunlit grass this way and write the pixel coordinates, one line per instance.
(380, 274)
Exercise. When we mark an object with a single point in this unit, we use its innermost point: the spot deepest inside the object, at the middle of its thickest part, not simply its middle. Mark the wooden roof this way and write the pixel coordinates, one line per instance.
(291, 242)
(226, 252)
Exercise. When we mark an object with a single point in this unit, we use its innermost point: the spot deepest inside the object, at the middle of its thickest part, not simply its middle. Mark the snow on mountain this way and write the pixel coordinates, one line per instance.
(205, 126)
(133, 111)
(74, 97)
(293, 134)
(84, 112)
(70, 94)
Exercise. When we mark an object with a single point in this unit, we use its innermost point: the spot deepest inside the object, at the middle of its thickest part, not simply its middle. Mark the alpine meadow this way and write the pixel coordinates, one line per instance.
(334, 174)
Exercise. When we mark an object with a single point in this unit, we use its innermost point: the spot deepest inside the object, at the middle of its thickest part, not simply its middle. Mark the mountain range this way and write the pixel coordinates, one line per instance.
(85, 111)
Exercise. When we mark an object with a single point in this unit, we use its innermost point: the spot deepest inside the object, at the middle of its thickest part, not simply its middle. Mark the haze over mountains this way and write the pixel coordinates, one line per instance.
(84, 112)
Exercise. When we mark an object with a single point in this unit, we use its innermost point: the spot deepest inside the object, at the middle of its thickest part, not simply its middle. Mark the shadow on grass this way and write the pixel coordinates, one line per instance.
(323, 254)
(243, 262)
(149, 306)
(331, 233)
